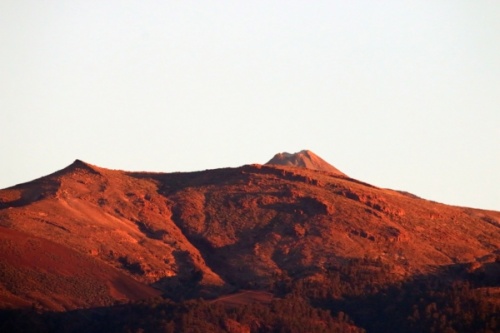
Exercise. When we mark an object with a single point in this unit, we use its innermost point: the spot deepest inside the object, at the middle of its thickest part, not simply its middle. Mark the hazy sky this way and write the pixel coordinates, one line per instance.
(400, 94)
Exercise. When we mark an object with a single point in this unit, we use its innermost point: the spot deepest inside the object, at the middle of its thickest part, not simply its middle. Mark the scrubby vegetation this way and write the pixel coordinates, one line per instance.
(346, 300)
(291, 314)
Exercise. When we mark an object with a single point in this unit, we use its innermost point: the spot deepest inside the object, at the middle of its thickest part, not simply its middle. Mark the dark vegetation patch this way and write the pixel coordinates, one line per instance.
(353, 297)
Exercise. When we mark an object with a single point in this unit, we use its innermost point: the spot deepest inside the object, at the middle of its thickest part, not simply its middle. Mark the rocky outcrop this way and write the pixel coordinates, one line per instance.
(304, 159)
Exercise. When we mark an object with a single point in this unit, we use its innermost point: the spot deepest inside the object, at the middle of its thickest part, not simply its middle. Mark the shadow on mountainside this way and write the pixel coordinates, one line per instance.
(25, 194)
(456, 298)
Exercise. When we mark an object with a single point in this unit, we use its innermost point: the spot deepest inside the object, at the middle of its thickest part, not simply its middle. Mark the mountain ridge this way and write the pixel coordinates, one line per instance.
(207, 233)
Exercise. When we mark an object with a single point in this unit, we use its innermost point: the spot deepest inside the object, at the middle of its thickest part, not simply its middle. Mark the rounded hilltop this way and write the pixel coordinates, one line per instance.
(304, 159)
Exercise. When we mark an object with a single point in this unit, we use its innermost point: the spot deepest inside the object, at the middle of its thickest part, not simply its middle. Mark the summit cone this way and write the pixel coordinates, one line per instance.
(304, 159)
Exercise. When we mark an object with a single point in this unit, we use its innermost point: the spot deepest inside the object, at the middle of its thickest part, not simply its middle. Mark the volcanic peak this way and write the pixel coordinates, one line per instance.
(304, 159)
(81, 165)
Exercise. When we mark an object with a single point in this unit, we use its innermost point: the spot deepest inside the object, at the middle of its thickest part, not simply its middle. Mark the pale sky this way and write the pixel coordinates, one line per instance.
(400, 94)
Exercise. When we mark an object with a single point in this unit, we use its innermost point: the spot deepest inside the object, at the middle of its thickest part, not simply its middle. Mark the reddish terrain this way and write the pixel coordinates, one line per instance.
(56, 277)
(304, 159)
(87, 236)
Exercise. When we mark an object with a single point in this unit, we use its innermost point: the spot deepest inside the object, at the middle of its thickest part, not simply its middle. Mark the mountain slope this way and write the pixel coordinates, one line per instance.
(70, 279)
(206, 233)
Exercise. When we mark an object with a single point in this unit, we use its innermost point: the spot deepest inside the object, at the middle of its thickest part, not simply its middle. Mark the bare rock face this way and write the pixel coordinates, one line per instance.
(304, 159)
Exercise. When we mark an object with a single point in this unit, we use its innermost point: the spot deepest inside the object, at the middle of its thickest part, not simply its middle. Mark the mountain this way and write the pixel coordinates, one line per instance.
(87, 237)
(304, 159)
